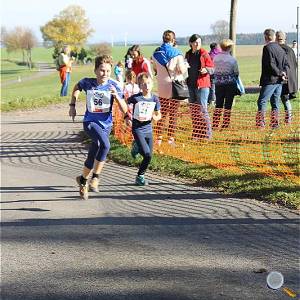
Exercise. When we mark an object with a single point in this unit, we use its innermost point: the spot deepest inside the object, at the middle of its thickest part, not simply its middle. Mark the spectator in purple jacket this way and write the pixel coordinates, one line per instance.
(214, 50)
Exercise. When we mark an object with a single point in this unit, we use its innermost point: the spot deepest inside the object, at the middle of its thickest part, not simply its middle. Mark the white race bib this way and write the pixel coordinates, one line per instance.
(98, 101)
(143, 111)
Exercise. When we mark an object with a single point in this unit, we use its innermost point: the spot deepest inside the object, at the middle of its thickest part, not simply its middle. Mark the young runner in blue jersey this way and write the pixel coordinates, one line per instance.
(101, 92)
(146, 107)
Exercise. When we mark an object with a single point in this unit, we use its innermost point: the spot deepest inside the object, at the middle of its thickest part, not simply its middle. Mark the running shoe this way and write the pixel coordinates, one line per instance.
(140, 180)
(94, 185)
(83, 189)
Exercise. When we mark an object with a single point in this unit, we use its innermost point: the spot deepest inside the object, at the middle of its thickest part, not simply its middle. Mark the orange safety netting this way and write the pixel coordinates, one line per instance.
(236, 143)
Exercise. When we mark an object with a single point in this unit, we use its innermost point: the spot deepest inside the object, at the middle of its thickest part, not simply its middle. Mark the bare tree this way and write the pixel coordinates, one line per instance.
(232, 24)
(11, 40)
(220, 29)
(28, 41)
(22, 39)
(3, 34)
(101, 49)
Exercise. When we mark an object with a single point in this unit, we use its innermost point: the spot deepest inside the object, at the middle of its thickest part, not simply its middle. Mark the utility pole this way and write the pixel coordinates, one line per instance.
(125, 39)
(112, 40)
(232, 24)
(297, 27)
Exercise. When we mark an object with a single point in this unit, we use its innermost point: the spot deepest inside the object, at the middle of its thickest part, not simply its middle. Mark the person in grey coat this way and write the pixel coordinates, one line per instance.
(289, 87)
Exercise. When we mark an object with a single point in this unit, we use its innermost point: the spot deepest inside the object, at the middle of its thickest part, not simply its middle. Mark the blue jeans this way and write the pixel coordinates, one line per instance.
(144, 140)
(288, 109)
(65, 85)
(272, 92)
(212, 93)
(200, 118)
(100, 145)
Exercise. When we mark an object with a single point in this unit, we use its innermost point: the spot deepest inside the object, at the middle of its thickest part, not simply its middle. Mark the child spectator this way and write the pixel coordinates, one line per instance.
(128, 60)
(130, 87)
(214, 50)
(119, 71)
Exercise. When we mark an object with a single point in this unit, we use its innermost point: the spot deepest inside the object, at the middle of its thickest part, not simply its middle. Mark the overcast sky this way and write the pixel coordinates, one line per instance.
(146, 20)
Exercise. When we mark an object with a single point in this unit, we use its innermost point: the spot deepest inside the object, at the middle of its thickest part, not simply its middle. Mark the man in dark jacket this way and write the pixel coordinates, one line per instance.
(273, 73)
(289, 88)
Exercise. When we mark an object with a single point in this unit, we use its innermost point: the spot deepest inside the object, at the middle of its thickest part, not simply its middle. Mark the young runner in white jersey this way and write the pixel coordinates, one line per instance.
(146, 107)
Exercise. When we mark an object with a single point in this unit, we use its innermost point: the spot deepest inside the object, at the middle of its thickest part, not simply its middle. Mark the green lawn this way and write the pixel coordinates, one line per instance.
(39, 54)
(248, 58)
(249, 68)
(47, 87)
(10, 71)
(43, 86)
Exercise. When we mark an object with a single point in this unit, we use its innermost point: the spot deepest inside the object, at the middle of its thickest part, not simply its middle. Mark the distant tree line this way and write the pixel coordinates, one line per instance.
(220, 30)
(241, 38)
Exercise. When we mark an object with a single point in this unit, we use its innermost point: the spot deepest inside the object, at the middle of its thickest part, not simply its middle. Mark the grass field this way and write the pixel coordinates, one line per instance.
(248, 58)
(24, 94)
(39, 54)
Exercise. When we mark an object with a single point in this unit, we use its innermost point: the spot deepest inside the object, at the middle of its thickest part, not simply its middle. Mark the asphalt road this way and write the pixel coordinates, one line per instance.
(168, 240)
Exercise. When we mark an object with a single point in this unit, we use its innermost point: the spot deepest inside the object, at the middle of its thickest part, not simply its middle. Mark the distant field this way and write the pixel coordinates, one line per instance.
(39, 54)
(248, 58)
(49, 86)
(45, 54)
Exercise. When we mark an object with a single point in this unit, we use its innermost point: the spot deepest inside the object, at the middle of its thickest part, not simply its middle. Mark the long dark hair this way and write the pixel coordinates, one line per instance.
(194, 38)
(136, 48)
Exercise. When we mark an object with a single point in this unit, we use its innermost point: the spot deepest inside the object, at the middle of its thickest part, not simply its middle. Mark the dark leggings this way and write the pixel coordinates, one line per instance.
(224, 99)
(100, 142)
(225, 95)
(145, 143)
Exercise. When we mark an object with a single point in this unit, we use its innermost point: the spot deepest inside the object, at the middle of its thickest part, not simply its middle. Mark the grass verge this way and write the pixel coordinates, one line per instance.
(31, 103)
(250, 185)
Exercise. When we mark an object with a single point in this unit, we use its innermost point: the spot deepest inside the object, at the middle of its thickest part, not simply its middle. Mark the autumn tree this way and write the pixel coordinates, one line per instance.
(220, 29)
(70, 27)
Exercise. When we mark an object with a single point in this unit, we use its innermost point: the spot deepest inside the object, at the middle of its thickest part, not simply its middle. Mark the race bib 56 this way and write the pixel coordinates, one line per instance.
(98, 101)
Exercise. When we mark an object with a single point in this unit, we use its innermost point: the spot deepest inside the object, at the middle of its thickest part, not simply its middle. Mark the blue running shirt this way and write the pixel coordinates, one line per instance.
(98, 100)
